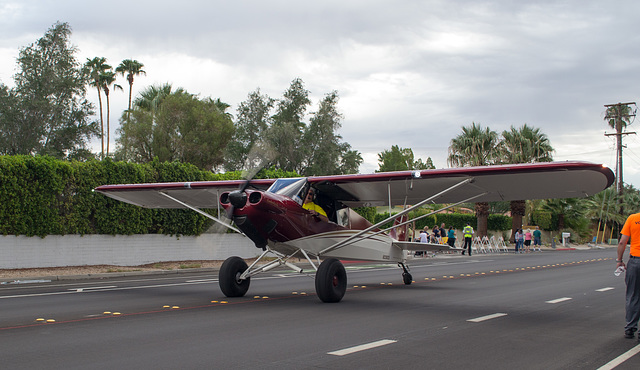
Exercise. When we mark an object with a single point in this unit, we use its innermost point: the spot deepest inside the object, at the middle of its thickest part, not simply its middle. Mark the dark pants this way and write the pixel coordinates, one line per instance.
(467, 244)
(632, 304)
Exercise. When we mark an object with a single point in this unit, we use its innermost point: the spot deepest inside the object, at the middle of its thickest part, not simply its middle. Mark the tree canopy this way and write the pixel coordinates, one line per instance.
(175, 126)
(401, 159)
(47, 112)
(278, 126)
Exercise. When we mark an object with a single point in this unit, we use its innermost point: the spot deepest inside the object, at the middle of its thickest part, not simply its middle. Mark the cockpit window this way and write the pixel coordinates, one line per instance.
(290, 187)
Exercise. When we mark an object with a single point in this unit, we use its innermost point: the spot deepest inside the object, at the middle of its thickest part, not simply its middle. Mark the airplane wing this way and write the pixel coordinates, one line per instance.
(495, 183)
(199, 194)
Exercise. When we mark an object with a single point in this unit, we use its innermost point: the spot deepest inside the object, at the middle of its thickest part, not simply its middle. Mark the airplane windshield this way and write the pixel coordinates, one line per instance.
(290, 187)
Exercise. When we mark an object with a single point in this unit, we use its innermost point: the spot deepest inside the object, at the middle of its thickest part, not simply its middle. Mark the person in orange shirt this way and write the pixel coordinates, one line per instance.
(631, 230)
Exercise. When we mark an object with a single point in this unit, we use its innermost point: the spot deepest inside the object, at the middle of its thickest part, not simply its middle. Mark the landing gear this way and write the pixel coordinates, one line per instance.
(331, 281)
(229, 277)
(407, 279)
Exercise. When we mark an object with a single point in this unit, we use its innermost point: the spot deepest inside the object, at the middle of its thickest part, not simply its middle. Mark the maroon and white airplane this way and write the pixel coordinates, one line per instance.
(270, 212)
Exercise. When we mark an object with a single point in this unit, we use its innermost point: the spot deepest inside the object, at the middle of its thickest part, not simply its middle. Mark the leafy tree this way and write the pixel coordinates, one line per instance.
(130, 68)
(95, 68)
(251, 124)
(326, 154)
(287, 128)
(475, 146)
(401, 159)
(183, 128)
(9, 122)
(52, 115)
(310, 149)
(523, 145)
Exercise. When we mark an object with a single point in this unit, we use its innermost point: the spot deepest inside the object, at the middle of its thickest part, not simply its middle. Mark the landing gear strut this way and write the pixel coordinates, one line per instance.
(407, 279)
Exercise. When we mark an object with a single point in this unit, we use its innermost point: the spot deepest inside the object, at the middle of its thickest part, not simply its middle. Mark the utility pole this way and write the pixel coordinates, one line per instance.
(618, 116)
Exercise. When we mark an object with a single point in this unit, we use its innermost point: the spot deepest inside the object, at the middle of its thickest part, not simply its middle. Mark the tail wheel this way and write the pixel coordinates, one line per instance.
(331, 281)
(229, 277)
(407, 279)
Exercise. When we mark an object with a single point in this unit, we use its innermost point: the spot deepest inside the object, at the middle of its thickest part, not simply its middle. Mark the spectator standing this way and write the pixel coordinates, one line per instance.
(519, 240)
(631, 230)
(527, 241)
(451, 237)
(537, 239)
(468, 236)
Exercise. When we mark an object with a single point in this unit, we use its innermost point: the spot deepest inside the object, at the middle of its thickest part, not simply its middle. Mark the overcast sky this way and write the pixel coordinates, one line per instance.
(409, 73)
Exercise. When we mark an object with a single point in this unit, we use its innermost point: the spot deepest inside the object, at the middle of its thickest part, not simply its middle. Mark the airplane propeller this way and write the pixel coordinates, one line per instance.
(259, 157)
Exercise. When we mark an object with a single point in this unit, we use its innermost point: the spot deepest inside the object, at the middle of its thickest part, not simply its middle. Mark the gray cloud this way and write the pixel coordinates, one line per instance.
(408, 73)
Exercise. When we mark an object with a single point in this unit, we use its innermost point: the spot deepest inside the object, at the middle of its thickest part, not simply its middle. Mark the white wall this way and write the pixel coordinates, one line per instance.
(120, 250)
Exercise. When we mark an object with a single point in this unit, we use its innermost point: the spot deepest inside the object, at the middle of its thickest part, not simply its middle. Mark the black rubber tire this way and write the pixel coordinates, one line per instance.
(228, 276)
(407, 279)
(331, 281)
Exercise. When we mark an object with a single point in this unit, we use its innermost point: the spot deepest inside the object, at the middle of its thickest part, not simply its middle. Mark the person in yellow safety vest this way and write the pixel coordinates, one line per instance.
(468, 236)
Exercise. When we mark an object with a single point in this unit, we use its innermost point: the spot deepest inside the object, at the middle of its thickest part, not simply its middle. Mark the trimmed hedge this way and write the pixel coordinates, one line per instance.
(457, 220)
(44, 196)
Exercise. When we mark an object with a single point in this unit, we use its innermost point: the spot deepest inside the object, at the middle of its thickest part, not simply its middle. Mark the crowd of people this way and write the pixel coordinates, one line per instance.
(526, 241)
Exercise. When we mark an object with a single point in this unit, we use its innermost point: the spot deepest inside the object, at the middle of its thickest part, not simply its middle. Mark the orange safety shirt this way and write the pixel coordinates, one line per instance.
(631, 229)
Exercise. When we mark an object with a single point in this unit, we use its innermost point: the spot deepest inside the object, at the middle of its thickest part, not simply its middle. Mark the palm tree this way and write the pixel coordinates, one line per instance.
(108, 78)
(131, 68)
(523, 145)
(150, 98)
(475, 146)
(618, 116)
(95, 67)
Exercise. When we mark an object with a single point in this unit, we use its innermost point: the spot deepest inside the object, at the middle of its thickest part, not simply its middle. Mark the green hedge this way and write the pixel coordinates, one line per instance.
(457, 220)
(44, 196)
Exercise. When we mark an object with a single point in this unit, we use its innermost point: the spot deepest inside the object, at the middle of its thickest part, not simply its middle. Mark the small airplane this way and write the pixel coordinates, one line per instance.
(270, 212)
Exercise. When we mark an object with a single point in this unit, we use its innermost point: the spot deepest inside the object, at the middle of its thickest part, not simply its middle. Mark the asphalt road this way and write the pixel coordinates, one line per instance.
(550, 310)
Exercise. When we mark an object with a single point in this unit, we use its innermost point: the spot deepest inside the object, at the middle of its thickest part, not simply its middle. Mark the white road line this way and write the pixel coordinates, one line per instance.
(604, 289)
(93, 288)
(362, 347)
(488, 317)
(559, 300)
(620, 359)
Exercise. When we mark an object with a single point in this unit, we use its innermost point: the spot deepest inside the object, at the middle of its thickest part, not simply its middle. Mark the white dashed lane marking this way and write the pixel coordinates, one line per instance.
(487, 317)
(362, 347)
(559, 300)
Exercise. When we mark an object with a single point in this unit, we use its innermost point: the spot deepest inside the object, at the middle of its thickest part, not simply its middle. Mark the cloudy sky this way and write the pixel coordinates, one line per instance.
(409, 73)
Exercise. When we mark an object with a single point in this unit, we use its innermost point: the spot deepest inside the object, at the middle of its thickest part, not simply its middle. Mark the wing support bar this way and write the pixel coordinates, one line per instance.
(281, 259)
(428, 214)
(202, 213)
(342, 243)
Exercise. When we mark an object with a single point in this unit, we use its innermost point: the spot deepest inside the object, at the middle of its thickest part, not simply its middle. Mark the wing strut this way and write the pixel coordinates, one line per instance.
(201, 212)
(430, 213)
(401, 213)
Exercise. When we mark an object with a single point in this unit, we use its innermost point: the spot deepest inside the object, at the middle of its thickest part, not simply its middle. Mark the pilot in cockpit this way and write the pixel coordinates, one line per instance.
(315, 209)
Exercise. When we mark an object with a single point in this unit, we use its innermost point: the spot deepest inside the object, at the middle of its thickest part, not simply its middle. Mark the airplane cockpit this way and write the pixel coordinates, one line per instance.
(297, 188)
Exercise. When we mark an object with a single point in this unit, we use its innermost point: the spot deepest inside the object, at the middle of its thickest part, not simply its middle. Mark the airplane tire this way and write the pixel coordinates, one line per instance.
(407, 279)
(331, 281)
(228, 277)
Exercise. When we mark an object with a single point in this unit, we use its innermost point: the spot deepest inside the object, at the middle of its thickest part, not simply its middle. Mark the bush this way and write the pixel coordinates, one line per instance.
(44, 196)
